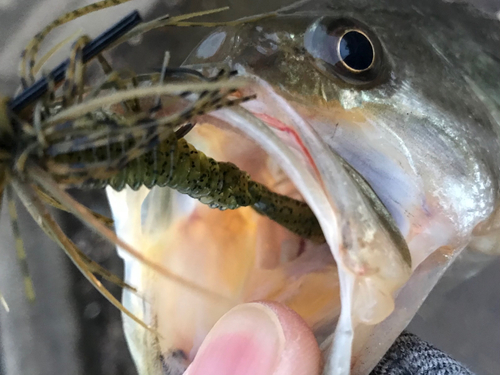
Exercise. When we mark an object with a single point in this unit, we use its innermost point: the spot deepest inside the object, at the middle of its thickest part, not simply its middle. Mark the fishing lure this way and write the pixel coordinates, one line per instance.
(58, 133)
(26, 140)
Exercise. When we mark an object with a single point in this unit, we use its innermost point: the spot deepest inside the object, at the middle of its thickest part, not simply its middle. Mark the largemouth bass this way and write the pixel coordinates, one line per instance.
(384, 116)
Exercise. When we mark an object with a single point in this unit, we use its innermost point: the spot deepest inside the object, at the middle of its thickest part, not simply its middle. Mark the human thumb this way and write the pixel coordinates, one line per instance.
(258, 339)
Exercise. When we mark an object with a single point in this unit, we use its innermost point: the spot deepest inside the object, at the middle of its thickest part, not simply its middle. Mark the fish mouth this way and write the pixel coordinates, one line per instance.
(290, 143)
(242, 256)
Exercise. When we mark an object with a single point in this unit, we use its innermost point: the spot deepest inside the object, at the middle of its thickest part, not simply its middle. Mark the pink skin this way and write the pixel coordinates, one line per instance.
(261, 338)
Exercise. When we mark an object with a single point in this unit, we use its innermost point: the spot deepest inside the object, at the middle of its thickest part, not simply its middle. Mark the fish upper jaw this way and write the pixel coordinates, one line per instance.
(436, 190)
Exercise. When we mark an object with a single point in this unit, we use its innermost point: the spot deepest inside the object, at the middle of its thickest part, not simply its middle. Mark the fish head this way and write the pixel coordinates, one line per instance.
(384, 119)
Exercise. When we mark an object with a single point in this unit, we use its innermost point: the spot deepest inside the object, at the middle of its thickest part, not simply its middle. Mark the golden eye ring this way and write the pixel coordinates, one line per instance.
(342, 59)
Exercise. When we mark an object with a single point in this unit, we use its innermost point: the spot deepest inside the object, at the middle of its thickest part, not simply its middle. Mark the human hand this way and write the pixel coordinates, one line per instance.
(258, 339)
(267, 338)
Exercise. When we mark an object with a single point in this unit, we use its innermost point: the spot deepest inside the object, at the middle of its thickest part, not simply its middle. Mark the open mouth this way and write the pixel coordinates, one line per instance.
(242, 256)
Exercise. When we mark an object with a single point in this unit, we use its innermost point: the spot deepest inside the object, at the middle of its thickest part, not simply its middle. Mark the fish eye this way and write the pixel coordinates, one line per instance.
(345, 48)
(355, 51)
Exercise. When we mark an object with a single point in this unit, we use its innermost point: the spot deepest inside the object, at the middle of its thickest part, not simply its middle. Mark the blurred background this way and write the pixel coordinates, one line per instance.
(72, 329)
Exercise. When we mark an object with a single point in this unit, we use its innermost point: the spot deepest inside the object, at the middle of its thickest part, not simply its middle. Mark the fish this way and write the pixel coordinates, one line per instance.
(384, 117)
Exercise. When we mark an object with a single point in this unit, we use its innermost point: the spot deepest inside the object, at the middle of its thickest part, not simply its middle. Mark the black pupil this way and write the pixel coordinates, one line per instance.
(356, 50)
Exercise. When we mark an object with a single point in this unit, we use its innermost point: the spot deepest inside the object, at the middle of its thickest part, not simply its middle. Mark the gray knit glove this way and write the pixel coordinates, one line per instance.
(411, 356)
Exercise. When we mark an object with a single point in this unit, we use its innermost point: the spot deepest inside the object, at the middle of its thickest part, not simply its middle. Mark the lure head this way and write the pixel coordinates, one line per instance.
(370, 111)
